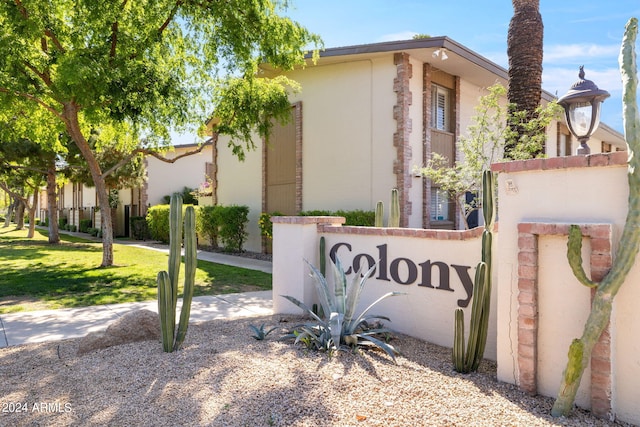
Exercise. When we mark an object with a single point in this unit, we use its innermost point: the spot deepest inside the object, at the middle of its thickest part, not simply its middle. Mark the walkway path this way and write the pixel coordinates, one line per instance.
(50, 325)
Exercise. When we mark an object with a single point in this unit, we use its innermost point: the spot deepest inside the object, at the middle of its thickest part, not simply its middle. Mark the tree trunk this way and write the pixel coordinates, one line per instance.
(10, 210)
(19, 215)
(73, 127)
(31, 210)
(52, 206)
(524, 48)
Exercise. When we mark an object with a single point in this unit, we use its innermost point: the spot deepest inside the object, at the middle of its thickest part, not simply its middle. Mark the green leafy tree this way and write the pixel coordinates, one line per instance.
(484, 144)
(30, 141)
(23, 184)
(144, 68)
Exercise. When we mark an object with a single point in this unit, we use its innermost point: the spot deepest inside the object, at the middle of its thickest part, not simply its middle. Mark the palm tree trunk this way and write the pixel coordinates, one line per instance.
(524, 48)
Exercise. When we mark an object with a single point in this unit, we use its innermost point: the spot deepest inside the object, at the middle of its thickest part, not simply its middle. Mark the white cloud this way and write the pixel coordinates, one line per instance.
(558, 80)
(404, 35)
(583, 52)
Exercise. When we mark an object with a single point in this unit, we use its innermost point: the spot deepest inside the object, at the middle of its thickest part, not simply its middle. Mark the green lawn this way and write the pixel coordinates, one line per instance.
(37, 275)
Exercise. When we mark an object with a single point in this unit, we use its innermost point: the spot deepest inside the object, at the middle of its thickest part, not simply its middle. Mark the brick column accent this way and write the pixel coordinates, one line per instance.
(213, 170)
(600, 263)
(401, 137)
(426, 143)
(144, 192)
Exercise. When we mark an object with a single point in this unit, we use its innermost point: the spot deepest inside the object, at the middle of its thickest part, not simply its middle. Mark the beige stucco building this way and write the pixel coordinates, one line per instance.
(365, 118)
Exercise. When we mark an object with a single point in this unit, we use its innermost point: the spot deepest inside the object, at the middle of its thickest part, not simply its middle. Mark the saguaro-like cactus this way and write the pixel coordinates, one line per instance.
(168, 282)
(394, 210)
(379, 214)
(469, 361)
(580, 349)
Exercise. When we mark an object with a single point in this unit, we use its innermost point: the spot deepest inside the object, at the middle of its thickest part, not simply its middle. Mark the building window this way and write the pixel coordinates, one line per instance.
(440, 108)
(439, 205)
(606, 148)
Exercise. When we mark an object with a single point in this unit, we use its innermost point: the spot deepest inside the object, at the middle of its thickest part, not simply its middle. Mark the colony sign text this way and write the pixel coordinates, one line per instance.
(405, 271)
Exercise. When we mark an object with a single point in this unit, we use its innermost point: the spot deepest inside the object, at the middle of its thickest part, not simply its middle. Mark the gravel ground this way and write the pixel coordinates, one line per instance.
(223, 377)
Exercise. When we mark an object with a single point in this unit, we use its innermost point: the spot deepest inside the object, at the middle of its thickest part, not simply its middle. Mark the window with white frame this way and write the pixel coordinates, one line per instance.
(440, 108)
(439, 205)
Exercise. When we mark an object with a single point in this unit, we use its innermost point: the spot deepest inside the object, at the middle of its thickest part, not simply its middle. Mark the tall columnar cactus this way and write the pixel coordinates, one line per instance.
(394, 210)
(379, 214)
(168, 282)
(469, 361)
(580, 349)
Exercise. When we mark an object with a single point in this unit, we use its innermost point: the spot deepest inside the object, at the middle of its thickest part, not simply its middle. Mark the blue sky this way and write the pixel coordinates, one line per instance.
(587, 32)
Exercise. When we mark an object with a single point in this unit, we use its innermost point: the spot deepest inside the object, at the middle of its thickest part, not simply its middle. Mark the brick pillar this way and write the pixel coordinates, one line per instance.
(600, 262)
(402, 164)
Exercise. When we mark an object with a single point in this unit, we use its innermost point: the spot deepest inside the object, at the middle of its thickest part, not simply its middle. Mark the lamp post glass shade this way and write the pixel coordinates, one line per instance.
(582, 109)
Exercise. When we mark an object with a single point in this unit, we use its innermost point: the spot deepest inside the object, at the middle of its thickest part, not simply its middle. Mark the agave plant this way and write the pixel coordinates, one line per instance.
(341, 325)
(259, 333)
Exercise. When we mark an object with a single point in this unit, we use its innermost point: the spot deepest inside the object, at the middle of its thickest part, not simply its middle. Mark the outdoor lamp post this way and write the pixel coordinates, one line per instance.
(582, 109)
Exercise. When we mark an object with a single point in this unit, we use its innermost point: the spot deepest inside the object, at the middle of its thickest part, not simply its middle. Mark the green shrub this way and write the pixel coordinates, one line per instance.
(208, 223)
(265, 224)
(188, 196)
(316, 212)
(85, 224)
(357, 217)
(158, 222)
(233, 220)
(139, 228)
(62, 222)
(73, 228)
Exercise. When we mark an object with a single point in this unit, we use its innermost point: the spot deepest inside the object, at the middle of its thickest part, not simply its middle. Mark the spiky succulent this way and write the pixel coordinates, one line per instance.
(341, 325)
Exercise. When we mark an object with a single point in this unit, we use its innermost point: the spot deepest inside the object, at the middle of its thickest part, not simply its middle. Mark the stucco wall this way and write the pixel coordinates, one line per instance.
(538, 306)
(566, 190)
(348, 127)
(433, 269)
(167, 178)
(241, 184)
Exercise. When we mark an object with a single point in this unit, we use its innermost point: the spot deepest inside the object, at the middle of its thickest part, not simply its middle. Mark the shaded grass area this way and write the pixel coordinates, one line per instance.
(38, 275)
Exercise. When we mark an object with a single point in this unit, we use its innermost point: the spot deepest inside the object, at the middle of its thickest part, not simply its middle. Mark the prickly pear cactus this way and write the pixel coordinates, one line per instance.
(469, 361)
(580, 349)
(168, 282)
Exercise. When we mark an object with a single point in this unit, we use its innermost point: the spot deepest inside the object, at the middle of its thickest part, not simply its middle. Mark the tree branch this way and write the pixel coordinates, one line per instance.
(26, 168)
(114, 40)
(157, 155)
(170, 17)
(34, 99)
(44, 76)
(55, 40)
(15, 194)
(22, 9)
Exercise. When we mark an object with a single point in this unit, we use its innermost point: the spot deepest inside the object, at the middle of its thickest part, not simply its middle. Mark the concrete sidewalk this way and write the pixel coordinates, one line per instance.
(233, 260)
(51, 325)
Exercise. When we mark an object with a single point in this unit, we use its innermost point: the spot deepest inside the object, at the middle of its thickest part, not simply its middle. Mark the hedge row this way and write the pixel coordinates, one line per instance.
(218, 224)
(355, 217)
